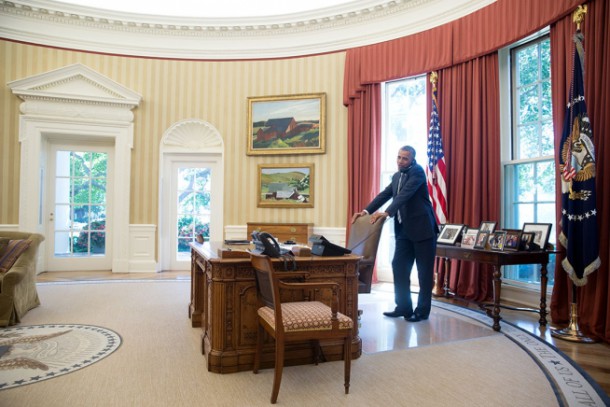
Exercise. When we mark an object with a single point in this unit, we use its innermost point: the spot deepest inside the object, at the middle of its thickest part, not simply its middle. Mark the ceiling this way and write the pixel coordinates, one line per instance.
(213, 8)
(201, 29)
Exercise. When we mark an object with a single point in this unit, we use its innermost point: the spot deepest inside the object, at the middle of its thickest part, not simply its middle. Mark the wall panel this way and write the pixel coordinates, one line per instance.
(214, 91)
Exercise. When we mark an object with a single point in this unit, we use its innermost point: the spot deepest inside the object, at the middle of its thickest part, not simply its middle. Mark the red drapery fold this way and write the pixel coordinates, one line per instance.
(593, 301)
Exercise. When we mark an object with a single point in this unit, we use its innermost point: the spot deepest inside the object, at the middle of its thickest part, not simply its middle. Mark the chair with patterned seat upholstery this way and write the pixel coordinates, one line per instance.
(296, 321)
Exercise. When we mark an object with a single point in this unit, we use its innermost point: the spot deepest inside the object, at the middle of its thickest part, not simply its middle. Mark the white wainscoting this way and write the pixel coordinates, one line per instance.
(9, 228)
(142, 245)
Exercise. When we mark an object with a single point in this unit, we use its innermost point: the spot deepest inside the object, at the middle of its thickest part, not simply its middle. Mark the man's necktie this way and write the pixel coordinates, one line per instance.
(397, 192)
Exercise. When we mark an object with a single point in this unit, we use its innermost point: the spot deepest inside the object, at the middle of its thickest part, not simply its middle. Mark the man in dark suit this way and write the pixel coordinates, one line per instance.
(415, 230)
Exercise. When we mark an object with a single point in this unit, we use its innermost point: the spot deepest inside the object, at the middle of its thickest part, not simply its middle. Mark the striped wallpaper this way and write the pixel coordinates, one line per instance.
(213, 91)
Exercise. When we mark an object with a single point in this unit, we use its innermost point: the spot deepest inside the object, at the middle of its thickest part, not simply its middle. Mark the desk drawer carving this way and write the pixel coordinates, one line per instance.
(297, 232)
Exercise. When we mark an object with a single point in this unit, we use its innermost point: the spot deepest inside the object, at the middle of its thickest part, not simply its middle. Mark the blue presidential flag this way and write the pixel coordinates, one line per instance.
(577, 170)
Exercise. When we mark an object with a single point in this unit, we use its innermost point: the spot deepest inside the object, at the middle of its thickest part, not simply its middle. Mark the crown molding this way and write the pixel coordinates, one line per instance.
(330, 29)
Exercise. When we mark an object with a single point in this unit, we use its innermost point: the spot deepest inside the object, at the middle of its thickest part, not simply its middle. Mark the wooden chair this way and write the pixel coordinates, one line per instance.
(296, 321)
(363, 241)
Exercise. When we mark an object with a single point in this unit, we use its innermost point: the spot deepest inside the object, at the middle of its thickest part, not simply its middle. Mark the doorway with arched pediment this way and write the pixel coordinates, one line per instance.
(191, 189)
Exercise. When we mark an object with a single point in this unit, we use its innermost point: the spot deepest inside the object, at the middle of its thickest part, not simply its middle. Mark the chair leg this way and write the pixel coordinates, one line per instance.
(347, 356)
(259, 348)
(279, 367)
(317, 354)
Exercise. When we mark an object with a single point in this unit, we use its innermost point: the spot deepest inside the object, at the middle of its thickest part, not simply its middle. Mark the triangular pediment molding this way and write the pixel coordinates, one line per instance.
(75, 83)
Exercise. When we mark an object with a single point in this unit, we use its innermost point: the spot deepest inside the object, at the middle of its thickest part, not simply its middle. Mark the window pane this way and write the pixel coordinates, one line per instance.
(527, 142)
(545, 181)
(547, 144)
(528, 104)
(525, 187)
(545, 59)
(525, 212)
(527, 63)
(99, 165)
(546, 103)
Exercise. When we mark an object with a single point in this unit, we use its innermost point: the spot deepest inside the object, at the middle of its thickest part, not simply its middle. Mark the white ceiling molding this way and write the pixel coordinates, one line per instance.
(329, 29)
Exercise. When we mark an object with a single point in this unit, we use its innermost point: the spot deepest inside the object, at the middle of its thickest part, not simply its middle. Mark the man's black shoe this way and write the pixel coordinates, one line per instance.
(415, 318)
(396, 314)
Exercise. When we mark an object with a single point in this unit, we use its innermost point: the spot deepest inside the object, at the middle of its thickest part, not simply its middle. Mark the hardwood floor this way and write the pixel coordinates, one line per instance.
(388, 333)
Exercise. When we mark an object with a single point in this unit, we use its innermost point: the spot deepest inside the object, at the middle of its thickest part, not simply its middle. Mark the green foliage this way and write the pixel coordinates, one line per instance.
(92, 235)
(88, 172)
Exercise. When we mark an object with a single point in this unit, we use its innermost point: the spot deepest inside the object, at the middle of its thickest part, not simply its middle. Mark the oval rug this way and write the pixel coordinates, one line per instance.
(29, 354)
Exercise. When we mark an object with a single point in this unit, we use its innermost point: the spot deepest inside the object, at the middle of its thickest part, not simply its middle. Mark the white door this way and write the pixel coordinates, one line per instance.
(192, 199)
(79, 236)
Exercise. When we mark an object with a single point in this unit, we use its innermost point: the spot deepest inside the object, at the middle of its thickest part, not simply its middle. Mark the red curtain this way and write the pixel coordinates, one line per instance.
(364, 151)
(364, 148)
(593, 301)
(468, 99)
(470, 125)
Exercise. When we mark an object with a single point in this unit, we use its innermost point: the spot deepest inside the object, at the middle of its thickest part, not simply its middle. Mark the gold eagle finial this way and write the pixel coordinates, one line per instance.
(433, 79)
(579, 15)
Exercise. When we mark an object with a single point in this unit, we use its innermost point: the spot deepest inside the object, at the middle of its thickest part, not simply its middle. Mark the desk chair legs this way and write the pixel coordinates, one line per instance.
(347, 364)
(259, 348)
(279, 368)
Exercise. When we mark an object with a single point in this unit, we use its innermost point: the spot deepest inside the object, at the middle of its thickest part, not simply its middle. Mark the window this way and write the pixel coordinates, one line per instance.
(80, 203)
(529, 166)
(405, 122)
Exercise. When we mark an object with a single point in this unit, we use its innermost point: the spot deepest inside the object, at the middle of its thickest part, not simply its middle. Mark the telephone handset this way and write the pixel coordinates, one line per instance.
(272, 248)
(267, 245)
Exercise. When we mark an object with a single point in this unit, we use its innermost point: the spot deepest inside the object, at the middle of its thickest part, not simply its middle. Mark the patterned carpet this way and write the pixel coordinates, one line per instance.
(572, 385)
(30, 354)
(158, 360)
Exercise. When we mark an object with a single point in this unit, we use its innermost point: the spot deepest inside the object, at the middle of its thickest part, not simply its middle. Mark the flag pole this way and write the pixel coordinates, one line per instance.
(572, 332)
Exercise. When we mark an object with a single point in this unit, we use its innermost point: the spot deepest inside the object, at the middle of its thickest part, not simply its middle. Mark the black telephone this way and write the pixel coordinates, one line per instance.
(267, 245)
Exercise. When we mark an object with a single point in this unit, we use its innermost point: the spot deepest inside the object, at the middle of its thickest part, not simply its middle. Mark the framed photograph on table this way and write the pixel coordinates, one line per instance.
(290, 124)
(487, 226)
(497, 240)
(285, 185)
(450, 233)
(469, 238)
(541, 233)
(513, 239)
(481, 241)
(526, 241)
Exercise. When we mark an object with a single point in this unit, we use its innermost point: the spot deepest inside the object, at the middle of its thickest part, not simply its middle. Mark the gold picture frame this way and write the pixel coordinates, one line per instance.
(285, 185)
(289, 124)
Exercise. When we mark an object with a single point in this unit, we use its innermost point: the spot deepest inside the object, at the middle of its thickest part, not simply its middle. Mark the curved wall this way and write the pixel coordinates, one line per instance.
(213, 91)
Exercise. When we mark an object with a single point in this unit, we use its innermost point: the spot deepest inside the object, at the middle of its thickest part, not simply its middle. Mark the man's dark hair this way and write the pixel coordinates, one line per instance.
(409, 149)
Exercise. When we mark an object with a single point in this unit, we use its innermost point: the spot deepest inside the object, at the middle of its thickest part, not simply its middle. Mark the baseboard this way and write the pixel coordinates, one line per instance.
(9, 228)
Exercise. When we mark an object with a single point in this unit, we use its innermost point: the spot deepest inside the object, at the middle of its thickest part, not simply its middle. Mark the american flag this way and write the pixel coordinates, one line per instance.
(436, 170)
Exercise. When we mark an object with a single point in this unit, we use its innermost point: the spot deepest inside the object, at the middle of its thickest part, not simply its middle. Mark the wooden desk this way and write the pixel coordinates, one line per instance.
(498, 259)
(224, 303)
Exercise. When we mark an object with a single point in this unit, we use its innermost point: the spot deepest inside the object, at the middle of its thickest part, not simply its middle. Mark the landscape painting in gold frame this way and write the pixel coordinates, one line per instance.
(285, 185)
(290, 124)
